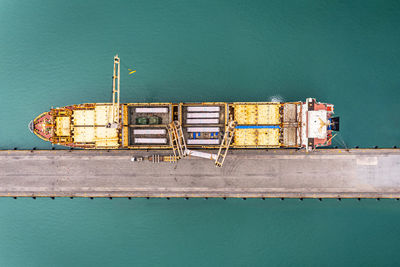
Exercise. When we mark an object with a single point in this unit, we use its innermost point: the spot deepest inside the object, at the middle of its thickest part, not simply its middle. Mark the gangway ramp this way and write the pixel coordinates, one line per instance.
(177, 139)
(226, 142)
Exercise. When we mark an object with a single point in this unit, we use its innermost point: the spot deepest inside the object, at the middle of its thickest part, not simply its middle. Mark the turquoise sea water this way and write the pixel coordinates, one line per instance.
(56, 53)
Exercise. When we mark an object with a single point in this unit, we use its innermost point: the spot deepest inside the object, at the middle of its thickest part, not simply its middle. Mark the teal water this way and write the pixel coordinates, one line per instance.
(56, 53)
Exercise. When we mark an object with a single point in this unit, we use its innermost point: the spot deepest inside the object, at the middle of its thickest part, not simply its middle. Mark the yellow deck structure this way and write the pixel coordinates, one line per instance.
(254, 113)
(268, 114)
(89, 126)
(63, 126)
(256, 137)
(268, 137)
(258, 125)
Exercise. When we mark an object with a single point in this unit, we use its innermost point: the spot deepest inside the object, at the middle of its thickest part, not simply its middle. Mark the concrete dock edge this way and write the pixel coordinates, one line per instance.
(324, 173)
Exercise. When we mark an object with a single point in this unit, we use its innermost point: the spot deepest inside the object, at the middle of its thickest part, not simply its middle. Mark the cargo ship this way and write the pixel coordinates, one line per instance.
(179, 126)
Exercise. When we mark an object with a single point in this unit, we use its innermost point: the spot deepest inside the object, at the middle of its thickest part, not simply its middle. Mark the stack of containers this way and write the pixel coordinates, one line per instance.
(196, 117)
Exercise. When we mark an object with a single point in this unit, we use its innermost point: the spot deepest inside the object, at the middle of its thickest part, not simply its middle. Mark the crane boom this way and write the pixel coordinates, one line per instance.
(115, 94)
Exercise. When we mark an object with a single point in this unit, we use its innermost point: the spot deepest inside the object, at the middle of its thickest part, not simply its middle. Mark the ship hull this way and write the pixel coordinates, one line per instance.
(259, 125)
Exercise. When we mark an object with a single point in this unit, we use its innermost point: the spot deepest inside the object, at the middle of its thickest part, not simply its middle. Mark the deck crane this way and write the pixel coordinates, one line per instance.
(114, 120)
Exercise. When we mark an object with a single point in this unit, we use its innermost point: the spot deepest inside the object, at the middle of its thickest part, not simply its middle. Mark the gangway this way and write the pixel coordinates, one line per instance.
(226, 142)
(177, 139)
(179, 145)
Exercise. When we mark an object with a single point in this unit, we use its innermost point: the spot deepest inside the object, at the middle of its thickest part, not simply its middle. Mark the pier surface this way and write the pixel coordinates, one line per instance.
(336, 173)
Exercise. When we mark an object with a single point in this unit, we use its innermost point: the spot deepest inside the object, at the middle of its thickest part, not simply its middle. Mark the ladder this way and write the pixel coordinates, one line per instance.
(177, 139)
(226, 142)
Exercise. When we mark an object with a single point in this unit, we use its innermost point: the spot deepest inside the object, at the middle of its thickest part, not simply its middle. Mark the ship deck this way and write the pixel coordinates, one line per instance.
(325, 173)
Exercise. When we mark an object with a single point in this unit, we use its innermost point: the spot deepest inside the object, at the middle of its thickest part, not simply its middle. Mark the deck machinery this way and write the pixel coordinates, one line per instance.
(185, 127)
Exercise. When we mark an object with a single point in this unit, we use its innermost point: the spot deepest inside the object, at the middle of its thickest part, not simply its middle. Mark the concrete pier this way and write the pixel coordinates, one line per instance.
(325, 173)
